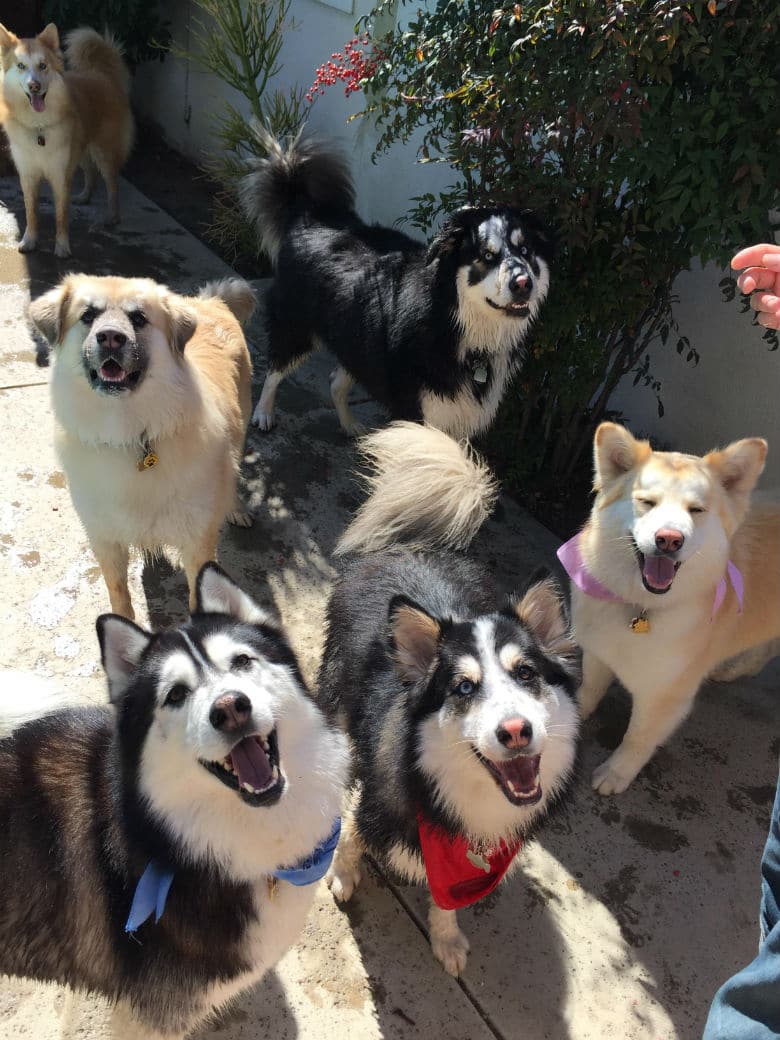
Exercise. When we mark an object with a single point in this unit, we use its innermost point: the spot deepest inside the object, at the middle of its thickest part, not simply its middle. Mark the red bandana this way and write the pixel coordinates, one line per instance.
(455, 876)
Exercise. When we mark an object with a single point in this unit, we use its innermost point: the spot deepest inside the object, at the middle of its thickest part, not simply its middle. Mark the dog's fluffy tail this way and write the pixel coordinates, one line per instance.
(25, 696)
(295, 175)
(236, 293)
(88, 51)
(427, 491)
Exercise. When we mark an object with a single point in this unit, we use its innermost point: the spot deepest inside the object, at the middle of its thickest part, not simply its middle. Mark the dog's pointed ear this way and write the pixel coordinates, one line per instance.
(450, 237)
(414, 636)
(8, 40)
(47, 313)
(739, 466)
(122, 645)
(216, 593)
(182, 321)
(541, 609)
(50, 37)
(615, 452)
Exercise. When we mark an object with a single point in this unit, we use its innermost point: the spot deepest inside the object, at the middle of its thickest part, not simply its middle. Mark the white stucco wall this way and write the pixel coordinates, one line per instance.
(735, 390)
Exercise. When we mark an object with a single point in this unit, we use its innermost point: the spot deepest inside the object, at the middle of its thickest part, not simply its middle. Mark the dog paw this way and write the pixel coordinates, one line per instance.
(263, 420)
(62, 249)
(28, 244)
(609, 778)
(342, 881)
(452, 950)
(240, 518)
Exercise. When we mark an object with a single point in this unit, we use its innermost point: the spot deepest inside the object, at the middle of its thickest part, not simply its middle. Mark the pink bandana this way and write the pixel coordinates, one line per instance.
(572, 562)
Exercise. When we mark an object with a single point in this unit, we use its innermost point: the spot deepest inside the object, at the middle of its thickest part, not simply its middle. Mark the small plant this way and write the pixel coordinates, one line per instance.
(645, 132)
(139, 25)
(240, 43)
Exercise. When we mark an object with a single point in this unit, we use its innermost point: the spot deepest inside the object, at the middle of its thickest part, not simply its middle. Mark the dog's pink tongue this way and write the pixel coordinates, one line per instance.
(658, 571)
(38, 103)
(522, 772)
(251, 763)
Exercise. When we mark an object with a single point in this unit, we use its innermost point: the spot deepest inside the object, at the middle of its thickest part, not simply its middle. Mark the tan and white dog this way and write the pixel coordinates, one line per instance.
(62, 112)
(675, 572)
(151, 393)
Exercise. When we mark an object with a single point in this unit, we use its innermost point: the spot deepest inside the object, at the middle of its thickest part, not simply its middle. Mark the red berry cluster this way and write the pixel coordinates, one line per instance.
(351, 68)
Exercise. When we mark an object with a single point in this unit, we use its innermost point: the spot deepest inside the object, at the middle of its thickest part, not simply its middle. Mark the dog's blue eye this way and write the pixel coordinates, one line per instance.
(465, 688)
(488, 256)
(177, 694)
(523, 250)
(523, 673)
(241, 662)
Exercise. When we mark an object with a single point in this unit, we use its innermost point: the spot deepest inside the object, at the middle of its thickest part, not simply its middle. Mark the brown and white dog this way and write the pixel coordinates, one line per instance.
(62, 112)
(675, 572)
(151, 394)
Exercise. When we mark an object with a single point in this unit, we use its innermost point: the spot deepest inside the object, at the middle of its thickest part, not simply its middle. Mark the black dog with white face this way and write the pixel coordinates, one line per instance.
(432, 333)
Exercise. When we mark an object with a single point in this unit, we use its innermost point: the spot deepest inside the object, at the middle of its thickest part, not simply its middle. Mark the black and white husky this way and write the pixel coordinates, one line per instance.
(162, 853)
(431, 332)
(458, 703)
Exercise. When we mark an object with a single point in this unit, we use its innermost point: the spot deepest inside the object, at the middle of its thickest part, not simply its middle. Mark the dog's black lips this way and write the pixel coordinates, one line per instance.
(514, 310)
(522, 772)
(641, 558)
(225, 772)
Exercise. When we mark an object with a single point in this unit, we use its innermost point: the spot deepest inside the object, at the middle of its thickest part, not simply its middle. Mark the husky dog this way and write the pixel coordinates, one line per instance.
(163, 853)
(458, 704)
(62, 113)
(674, 573)
(432, 333)
(151, 394)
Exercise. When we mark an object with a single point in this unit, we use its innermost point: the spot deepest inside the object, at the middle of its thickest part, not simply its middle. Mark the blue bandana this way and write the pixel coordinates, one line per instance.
(152, 889)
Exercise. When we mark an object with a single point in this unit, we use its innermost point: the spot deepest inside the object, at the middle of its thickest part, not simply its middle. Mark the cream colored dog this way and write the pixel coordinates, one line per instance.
(151, 394)
(59, 118)
(674, 573)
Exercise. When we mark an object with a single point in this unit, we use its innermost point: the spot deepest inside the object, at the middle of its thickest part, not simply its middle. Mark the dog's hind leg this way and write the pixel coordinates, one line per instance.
(193, 556)
(596, 677)
(344, 874)
(89, 171)
(264, 414)
(340, 385)
(31, 182)
(110, 174)
(449, 944)
(113, 559)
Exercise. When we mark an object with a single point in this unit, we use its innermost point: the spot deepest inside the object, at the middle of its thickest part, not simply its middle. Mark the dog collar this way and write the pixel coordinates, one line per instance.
(457, 874)
(573, 563)
(151, 892)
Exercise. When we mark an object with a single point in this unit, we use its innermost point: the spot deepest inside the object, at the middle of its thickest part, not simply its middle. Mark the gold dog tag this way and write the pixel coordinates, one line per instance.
(640, 625)
(272, 883)
(148, 461)
(476, 860)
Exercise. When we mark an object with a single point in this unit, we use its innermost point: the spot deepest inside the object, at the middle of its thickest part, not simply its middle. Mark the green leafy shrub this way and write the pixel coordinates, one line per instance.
(138, 24)
(645, 132)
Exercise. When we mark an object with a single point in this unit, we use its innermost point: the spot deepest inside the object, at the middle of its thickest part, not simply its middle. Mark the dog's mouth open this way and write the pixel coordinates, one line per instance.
(112, 378)
(514, 310)
(252, 769)
(517, 778)
(658, 572)
(37, 101)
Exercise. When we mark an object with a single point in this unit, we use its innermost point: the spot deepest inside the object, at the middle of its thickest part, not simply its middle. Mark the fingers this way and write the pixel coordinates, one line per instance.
(767, 305)
(762, 255)
(757, 278)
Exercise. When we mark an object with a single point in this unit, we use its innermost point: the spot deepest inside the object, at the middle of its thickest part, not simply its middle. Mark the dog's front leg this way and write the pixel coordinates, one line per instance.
(113, 559)
(654, 717)
(449, 944)
(344, 874)
(596, 677)
(30, 186)
(60, 187)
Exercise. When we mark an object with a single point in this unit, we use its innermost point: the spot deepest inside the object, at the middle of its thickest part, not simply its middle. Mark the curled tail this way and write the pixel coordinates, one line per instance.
(427, 491)
(295, 175)
(25, 696)
(88, 51)
(236, 293)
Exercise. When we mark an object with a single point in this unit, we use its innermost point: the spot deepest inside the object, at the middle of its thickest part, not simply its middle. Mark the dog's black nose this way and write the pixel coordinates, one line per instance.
(230, 711)
(111, 339)
(521, 285)
(35, 86)
(515, 733)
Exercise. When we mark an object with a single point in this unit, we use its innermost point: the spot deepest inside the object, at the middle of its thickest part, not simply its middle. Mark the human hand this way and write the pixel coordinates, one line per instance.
(762, 263)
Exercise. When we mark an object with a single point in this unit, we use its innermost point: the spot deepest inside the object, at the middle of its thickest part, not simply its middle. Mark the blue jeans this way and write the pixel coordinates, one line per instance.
(747, 1007)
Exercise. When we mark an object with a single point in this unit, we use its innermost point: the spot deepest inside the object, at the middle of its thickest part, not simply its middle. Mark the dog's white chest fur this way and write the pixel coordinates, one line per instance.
(465, 414)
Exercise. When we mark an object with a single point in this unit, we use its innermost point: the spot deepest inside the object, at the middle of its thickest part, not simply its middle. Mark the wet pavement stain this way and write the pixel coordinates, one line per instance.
(701, 750)
(687, 807)
(655, 836)
(56, 479)
(30, 559)
(617, 893)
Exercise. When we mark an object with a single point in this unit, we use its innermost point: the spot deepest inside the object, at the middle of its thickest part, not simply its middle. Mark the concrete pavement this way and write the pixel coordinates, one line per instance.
(629, 911)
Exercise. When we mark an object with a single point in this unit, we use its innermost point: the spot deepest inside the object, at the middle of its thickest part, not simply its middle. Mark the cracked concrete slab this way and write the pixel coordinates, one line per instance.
(628, 911)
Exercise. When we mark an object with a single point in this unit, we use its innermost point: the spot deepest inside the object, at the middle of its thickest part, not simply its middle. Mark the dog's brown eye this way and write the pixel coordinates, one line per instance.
(137, 319)
(21, 66)
(42, 66)
(523, 673)
(646, 502)
(523, 250)
(89, 315)
(177, 694)
(696, 509)
(241, 662)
